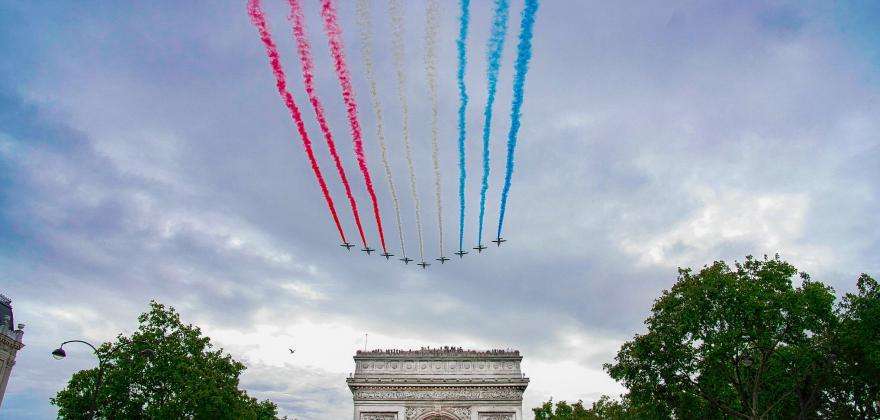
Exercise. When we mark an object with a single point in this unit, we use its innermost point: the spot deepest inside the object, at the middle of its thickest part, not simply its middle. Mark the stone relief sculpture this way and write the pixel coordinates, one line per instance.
(378, 416)
(438, 393)
(496, 416)
(418, 413)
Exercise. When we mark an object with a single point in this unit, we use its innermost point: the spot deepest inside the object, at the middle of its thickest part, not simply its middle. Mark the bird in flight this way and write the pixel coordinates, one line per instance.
(292, 351)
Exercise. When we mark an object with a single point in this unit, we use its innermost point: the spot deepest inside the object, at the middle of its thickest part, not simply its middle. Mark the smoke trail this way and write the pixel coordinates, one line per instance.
(523, 55)
(396, 11)
(366, 25)
(461, 44)
(308, 66)
(432, 27)
(259, 20)
(495, 47)
(334, 36)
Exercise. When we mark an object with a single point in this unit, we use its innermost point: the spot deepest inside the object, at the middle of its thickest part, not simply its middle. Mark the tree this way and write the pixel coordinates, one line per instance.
(739, 342)
(605, 408)
(744, 342)
(563, 411)
(164, 370)
(855, 388)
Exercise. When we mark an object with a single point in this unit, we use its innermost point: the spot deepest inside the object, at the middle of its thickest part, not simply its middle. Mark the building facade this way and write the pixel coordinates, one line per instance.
(437, 384)
(10, 342)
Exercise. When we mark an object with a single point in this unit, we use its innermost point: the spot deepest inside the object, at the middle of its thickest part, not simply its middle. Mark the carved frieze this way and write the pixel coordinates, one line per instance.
(477, 393)
(460, 413)
(437, 367)
(496, 416)
(378, 416)
(10, 343)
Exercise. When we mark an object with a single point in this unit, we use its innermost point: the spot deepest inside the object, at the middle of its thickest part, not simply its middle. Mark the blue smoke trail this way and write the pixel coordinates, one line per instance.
(523, 55)
(461, 43)
(495, 47)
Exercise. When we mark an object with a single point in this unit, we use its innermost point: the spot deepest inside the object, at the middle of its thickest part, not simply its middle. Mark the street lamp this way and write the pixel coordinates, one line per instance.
(59, 354)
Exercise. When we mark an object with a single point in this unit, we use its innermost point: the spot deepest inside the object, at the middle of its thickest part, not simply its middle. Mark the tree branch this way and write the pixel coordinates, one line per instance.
(778, 400)
(738, 384)
(713, 401)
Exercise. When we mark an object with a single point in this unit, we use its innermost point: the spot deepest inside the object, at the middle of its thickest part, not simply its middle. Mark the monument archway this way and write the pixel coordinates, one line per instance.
(437, 384)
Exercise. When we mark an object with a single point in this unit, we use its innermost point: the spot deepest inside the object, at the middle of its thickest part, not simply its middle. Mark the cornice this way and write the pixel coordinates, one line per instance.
(448, 353)
(439, 393)
(463, 382)
(10, 342)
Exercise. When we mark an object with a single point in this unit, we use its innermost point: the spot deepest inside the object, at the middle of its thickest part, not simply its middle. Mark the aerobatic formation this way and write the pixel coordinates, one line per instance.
(497, 30)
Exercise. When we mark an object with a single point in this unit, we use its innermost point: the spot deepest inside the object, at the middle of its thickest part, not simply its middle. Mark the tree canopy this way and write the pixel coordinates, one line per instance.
(855, 386)
(603, 409)
(755, 340)
(164, 370)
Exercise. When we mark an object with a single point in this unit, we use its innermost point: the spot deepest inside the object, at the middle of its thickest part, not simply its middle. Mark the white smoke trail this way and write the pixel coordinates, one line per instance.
(396, 10)
(365, 24)
(431, 29)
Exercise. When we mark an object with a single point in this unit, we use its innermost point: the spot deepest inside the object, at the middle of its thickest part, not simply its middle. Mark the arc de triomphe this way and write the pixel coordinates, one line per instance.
(437, 384)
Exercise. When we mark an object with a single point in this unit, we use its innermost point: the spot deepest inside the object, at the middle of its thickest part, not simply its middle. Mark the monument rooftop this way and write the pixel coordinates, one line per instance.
(443, 352)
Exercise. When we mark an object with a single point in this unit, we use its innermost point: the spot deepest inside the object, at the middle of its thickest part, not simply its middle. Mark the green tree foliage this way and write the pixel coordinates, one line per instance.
(748, 341)
(165, 370)
(855, 388)
(563, 411)
(732, 342)
(603, 409)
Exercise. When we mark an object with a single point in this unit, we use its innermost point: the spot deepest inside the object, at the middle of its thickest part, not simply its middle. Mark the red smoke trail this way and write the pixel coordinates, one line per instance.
(259, 20)
(334, 35)
(305, 56)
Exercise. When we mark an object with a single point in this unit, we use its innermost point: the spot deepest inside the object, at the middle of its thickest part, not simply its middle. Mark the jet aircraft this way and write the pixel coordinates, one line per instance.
(406, 260)
(480, 248)
(499, 241)
(368, 250)
(347, 246)
(442, 259)
(424, 265)
(460, 253)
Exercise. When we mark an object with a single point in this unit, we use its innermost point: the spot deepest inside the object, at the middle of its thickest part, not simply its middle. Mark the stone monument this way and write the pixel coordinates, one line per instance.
(437, 384)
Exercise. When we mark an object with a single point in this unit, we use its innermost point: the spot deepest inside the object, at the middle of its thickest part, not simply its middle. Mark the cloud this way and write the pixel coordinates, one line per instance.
(768, 221)
(144, 154)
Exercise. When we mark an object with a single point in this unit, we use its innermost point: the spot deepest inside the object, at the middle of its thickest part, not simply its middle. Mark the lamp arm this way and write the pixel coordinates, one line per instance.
(95, 350)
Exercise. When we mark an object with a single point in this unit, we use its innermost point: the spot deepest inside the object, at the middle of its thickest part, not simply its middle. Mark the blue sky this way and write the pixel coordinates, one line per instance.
(144, 153)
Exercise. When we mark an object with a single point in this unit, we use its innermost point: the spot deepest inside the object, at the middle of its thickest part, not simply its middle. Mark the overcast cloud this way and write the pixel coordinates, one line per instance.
(145, 154)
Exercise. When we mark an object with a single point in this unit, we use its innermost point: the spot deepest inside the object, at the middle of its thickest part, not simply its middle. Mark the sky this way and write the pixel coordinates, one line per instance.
(145, 154)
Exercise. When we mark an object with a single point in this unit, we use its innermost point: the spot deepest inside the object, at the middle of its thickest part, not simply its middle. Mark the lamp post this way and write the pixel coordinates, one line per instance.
(59, 354)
